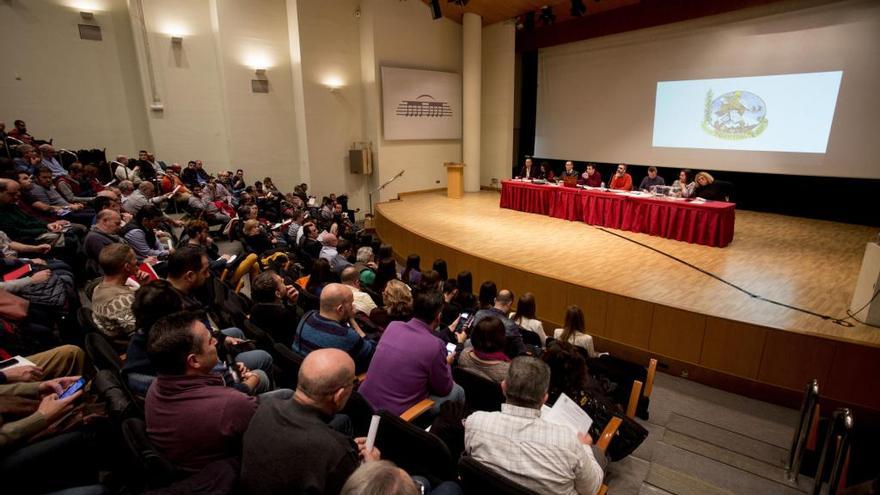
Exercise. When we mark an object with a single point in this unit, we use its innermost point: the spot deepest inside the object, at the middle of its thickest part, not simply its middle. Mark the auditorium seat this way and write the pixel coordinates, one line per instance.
(477, 479)
(101, 353)
(414, 450)
(152, 470)
(481, 394)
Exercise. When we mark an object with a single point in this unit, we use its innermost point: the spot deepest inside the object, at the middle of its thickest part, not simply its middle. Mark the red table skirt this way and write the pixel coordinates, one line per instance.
(709, 223)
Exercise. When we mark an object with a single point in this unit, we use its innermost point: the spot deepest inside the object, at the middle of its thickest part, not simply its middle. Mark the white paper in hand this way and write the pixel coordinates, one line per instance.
(371, 434)
(567, 413)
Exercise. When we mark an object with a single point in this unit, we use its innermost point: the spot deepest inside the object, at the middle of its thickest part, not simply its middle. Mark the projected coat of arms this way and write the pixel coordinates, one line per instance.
(735, 115)
(420, 104)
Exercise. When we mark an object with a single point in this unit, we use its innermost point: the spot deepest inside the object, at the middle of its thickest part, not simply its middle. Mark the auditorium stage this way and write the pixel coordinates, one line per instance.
(640, 302)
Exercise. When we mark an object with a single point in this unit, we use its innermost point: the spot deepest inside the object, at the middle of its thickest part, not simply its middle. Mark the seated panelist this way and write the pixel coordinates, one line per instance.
(529, 170)
(569, 170)
(621, 180)
(592, 177)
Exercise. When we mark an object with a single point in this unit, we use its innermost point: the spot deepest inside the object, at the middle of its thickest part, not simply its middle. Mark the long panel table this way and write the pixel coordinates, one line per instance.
(709, 223)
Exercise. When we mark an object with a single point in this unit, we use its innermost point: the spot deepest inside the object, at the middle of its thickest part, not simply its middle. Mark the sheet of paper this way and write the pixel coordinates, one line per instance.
(567, 413)
(371, 434)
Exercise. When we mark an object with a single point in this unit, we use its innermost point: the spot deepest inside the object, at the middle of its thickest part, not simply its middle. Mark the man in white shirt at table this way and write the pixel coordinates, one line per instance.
(528, 171)
(516, 442)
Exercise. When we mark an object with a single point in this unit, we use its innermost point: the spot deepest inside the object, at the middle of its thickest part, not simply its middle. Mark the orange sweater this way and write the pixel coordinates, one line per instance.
(624, 183)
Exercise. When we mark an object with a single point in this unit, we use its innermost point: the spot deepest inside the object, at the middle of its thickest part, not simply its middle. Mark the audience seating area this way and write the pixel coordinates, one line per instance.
(324, 281)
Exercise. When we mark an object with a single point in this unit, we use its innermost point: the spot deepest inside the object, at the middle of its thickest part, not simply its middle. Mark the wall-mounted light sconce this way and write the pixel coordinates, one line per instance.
(177, 40)
(261, 83)
(261, 73)
(87, 16)
(333, 83)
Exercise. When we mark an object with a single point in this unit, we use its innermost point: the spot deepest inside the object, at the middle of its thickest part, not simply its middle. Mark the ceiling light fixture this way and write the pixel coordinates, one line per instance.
(547, 15)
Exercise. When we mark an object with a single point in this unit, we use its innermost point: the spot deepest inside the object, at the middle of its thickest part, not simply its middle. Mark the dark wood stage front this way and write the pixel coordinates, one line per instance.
(640, 303)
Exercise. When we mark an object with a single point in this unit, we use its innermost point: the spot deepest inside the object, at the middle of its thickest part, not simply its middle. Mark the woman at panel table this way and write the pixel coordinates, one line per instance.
(575, 332)
(707, 188)
(684, 186)
(546, 172)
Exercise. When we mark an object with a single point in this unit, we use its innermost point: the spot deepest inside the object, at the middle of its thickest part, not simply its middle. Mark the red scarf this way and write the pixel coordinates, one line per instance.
(492, 356)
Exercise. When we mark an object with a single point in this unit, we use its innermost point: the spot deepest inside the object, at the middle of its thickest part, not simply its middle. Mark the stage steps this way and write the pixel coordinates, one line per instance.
(729, 450)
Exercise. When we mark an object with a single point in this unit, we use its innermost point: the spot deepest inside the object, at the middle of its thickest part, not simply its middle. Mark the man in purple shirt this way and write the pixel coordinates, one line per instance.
(410, 363)
(192, 418)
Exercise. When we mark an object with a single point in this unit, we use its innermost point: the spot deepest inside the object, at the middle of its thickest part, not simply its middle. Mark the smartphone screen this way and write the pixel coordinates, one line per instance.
(462, 319)
(450, 348)
(73, 388)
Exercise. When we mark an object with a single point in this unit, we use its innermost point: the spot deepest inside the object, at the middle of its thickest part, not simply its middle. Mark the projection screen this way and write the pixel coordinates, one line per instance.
(802, 85)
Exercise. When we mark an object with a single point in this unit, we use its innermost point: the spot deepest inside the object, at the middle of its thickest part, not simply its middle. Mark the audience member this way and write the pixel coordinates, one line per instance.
(104, 233)
(412, 273)
(142, 235)
(192, 418)
(486, 356)
(575, 331)
(501, 308)
(524, 316)
(275, 309)
(411, 363)
(384, 478)
(113, 297)
(439, 266)
(516, 442)
(465, 297)
(488, 291)
(397, 304)
(334, 326)
(301, 445)
(363, 303)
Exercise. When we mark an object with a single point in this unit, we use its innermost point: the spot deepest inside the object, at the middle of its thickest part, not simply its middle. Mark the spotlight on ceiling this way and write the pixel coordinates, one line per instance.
(578, 8)
(436, 13)
(547, 15)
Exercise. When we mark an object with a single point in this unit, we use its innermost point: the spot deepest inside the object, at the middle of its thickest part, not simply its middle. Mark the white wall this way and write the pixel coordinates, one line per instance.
(260, 127)
(329, 41)
(402, 34)
(499, 46)
(84, 94)
(188, 82)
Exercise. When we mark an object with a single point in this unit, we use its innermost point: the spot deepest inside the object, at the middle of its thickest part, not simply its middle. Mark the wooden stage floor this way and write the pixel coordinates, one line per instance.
(807, 263)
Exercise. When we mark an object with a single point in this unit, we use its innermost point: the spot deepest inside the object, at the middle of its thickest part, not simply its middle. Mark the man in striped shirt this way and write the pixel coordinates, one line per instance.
(334, 326)
(519, 444)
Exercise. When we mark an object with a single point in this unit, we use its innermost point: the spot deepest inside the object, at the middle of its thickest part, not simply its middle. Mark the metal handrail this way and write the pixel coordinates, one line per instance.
(837, 438)
(799, 440)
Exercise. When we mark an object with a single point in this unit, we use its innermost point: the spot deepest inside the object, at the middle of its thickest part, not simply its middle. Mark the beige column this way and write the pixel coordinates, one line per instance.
(471, 86)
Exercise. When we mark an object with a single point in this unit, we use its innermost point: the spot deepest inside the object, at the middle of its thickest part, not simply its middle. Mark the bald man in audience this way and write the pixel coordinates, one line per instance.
(302, 445)
(503, 302)
(103, 233)
(334, 326)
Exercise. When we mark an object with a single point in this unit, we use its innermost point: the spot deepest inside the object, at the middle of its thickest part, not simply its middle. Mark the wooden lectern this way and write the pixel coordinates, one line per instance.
(454, 180)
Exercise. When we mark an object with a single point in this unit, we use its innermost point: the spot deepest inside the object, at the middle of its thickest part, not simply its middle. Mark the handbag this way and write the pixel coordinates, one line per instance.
(13, 307)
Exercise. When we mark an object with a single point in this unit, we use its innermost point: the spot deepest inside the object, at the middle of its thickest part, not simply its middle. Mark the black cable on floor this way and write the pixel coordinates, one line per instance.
(838, 321)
